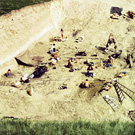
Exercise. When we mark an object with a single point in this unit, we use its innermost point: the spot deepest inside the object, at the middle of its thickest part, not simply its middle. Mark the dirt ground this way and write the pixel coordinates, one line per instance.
(48, 102)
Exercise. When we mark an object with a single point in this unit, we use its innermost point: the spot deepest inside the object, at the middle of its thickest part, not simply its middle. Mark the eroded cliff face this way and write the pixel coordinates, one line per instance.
(22, 28)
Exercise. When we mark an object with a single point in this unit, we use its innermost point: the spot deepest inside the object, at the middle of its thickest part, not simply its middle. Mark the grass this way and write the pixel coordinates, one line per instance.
(7, 6)
(25, 127)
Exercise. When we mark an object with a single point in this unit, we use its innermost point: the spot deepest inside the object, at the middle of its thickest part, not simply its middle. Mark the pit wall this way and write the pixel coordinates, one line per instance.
(20, 29)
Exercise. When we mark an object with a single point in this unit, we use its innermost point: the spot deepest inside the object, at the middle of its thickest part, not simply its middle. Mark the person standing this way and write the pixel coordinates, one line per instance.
(115, 48)
(62, 32)
(70, 65)
(129, 60)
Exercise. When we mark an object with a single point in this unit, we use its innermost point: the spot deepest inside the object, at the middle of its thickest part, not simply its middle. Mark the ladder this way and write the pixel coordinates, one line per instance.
(127, 91)
(110, 101)
(119, 92)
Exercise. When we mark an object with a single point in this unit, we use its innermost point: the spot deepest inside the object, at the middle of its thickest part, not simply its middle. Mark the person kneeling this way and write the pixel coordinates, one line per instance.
(109, 62)
(85, 84)
(90, 71)
(53, 62)
(8, 74)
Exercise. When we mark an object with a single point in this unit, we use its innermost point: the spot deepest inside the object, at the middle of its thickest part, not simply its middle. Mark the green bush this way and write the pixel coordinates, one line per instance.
(7, 6)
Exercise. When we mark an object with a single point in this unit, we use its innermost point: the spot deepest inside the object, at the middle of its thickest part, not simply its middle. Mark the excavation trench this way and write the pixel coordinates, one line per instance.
(31, 28)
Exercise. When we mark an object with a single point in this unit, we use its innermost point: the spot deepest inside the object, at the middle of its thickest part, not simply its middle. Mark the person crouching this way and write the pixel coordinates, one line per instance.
(85, 84)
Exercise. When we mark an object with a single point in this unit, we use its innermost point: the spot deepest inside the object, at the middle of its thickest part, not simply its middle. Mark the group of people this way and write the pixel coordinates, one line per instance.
(90, 73)
(128, 14)
(55, 58)
(24, 79)
(108, 63)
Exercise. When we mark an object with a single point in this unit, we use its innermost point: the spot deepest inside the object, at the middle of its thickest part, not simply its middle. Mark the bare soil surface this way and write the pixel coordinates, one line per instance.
(48, 102)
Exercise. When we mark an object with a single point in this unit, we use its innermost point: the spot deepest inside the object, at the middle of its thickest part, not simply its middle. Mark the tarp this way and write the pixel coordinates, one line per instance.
(26, 58)
(116, 10)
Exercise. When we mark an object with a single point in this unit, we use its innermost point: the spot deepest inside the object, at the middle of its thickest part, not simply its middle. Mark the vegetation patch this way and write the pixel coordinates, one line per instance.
(25, 127)
(7, 6)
